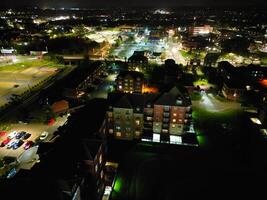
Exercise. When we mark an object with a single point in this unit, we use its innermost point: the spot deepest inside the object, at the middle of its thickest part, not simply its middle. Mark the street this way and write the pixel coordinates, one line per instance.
(104, 88)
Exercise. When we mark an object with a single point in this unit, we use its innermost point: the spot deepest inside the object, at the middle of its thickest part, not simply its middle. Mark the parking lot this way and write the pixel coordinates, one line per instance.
(34, 129)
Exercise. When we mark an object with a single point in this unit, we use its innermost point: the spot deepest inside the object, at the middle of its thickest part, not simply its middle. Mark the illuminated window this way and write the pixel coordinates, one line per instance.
(165, 131)
(96, 168)
(180, 120)
(102, 174)
(110, 131)
(118, 134)
(174, 114)
(149, 118)
(174, 120)
(173, 126)
(156, 137)
(175, 139)
(137, 122)
(120, 87)
(137, 133)
(100, 159)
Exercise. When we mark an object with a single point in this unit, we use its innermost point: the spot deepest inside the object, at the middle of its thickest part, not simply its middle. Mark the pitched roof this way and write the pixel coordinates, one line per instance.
(174, 97)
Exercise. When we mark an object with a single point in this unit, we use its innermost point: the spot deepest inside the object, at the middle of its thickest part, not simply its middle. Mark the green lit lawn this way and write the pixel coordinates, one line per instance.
(27, 64)
(184, 53)
(201, 82)
(208, 124)
(196, 96)
(264, 60)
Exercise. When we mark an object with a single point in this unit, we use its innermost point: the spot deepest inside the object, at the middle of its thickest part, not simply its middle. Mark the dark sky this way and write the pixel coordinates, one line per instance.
(127, 3)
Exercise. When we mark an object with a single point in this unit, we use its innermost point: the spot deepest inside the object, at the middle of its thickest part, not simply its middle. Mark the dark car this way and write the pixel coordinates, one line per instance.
(17, 144)
(28, 144)
(20, 134)
(26, 136)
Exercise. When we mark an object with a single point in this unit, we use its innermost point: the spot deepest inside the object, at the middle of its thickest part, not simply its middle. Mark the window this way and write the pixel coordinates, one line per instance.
(156, 137)
(96, 168)
(166, 114)
(110, 131)
(137, 133)
(166, 108)
(175, 139)
(149, 118)
(120, 87)
(173, 126)
(137, 122)
(102, 174)
(118, 127)
(174, 114)
(118, 134)
(165, 131)
(100, 159)
(174, 120)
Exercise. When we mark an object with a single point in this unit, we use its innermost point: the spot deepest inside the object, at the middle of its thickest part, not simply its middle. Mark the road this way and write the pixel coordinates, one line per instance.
(105, 87)
(173, 52)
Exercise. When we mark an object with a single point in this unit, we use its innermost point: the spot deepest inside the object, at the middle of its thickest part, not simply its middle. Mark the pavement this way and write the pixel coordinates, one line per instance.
(103, 89)
(211, 104)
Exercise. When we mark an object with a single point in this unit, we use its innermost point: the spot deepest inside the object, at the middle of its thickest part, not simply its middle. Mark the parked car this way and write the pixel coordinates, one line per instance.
(10, 144)
(26, 136)
(43, 135)
(5, 142)
(20, 134)
(17, 144)
(28, 144)
(12, 135)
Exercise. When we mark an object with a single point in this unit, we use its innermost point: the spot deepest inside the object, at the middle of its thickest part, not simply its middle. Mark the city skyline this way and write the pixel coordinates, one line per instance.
(122, 3)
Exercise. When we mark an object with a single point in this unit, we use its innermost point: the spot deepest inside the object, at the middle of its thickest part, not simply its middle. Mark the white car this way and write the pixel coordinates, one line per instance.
(12, 135)
(43, 135)
(11, 143)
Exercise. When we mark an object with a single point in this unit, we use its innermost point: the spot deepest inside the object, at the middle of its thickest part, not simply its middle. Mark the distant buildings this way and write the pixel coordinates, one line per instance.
(238, 80)
(137, 62)
(60, 106)
(199, 30)
(130, 82)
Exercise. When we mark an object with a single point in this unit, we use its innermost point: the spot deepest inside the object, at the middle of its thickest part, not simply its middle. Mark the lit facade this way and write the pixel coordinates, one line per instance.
(130, 82)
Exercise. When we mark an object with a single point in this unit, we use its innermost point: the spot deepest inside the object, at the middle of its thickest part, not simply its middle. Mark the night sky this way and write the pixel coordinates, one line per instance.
(128, 3)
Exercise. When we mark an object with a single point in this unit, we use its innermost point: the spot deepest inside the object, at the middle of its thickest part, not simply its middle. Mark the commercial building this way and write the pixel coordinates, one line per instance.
(200, 30)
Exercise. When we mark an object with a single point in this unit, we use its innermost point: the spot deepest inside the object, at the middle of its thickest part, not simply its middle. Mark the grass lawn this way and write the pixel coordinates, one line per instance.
(184, 54)
(201, 82)
(196, 96)
(27, 64)
(264, 60)
(208, 124)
